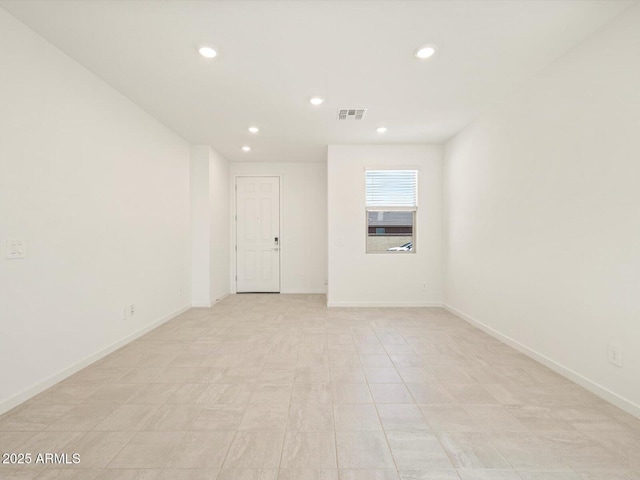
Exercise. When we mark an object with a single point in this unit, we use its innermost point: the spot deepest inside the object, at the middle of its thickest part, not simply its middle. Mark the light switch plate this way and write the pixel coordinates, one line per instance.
(15, 249)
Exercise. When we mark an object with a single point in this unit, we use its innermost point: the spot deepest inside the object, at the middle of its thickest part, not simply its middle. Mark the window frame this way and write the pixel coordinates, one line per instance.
(392, 208)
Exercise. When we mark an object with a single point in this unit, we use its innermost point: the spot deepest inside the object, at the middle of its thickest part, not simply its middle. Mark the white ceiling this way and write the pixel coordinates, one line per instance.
(274, 55)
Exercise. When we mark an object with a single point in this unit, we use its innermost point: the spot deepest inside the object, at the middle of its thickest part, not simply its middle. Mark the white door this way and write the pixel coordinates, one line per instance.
(258, 234)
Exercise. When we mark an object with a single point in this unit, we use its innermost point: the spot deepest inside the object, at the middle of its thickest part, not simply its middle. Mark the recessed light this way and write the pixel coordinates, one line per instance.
(381, 129)
(425, 52)
(254, 129)
(207, 52)
(316, 101)
(246, 148)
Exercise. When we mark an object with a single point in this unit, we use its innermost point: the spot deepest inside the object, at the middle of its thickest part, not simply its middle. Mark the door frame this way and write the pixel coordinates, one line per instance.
(234, 227)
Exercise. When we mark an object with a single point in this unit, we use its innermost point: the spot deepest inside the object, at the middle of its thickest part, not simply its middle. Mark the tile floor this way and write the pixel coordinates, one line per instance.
(278, 387)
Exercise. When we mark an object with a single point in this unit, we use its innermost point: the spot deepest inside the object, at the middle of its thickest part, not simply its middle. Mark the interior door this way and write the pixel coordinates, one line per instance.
(258, 234)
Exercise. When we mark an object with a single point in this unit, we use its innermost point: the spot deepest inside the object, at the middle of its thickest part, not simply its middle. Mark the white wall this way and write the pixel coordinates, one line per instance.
(360, 279)
(209, 226)
(542, 238)
(303, 224)
(220, 246)
(100, 193)
(200, 217)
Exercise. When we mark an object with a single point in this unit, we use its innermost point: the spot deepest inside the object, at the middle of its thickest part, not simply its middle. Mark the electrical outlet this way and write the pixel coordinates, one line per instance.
(132, 310)
(125, 313)
(614, 353)
(424, 286)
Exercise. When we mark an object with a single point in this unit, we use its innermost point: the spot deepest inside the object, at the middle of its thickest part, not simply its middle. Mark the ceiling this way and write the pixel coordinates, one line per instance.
(274, 55)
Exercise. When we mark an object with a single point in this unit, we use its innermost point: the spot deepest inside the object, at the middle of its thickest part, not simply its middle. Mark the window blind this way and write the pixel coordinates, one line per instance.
(392, 188)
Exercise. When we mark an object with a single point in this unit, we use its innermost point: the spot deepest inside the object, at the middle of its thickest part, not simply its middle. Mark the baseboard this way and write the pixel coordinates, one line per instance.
(201, 304)
(595, 388)
(39, 387)
(384, 304)
(304, 292)
(222, 297)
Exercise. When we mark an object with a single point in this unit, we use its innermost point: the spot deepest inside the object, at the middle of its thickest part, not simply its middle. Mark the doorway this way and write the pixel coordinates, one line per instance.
(258, 234)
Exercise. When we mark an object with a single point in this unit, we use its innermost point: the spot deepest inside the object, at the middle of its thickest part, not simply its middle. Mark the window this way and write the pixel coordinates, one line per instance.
(391, 205)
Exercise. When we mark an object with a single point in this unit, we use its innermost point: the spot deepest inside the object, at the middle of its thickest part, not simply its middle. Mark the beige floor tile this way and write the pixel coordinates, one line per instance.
(129, 474)
(382, 375)
(375, 360)
(188, 474)
(272, 394)
(399, 349)
(402, 418)
(191, 393)
(607, 475)
(18, 474)
(390, 393)
(431, 474)
(281, 360)
(539, 418)
(247, 474)
(13, 441)
(347, 375)
(368, 474)
(307, 474)
(33, 417)
(227, 394)
(309, 450)
(140, 375)
(402, 361)
(183, 375)
(452, 375)
(470, 394)
(494, 418)
(430, 394)
(117, 392)
(94, 374)
(230, 378)
(204, 450)
(550, 476)
(416, 375)
(97, 449)
(311, 392)
(310, 417)
(472, 450)
(344, 359)
(371, 348)
(581, 451)
(352, 417)
(68, 393)
(255, 450)
(147, 450)
(127, 417)
(276, 376)
(417, 450)
(265, 417)
(448, 418)
(69, 474)
(312, 375)
(525, 451)
(157, 393)
(471, 474)
(363, 450)
(350, 393)
(172, 417)
(54, 442)
(83, 417)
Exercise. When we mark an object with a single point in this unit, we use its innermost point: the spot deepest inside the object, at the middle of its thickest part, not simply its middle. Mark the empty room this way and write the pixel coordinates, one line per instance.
(320, 240)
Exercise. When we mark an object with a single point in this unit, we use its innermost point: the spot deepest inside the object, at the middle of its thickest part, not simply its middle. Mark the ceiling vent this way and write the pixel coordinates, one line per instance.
(351, 113)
